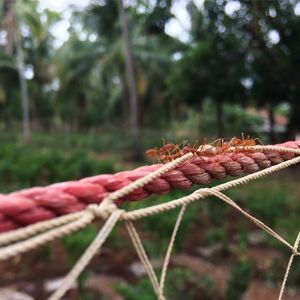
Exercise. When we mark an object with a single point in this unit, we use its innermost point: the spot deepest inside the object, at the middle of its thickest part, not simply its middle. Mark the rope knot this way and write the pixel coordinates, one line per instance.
(205, 192)
(103, 211)
(161, 297)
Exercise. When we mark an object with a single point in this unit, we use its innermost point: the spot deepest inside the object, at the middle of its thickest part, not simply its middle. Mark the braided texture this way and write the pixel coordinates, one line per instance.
(36, 204)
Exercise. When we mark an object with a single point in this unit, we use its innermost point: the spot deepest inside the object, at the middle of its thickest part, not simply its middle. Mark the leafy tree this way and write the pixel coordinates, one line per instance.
(244, 55)
(101, 64)
(269, 53)
(32, 50)
(12, 29)
(214, 64)
(255, 43)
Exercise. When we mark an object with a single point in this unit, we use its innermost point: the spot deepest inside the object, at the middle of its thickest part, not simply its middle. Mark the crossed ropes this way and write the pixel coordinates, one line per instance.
(25, 239)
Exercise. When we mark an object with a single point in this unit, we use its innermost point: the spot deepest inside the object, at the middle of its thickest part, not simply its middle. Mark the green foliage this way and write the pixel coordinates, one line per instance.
(238, 120)
(214, 236)
(181, 284)
(240, 276)
(161, 225)
(227, 58)
(275, 202)
(287, 225)
(216, 211)
(243, 241)
(25, 165)
(45, 252)
(77, 242)
(43, 162)
(142, 291)
(267, 203)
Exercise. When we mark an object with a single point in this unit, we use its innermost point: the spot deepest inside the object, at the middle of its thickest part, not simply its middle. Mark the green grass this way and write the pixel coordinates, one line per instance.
(160, 226)
(180, 284)
(76, 243)
(28, 165)
(240, 276)
(275, 201)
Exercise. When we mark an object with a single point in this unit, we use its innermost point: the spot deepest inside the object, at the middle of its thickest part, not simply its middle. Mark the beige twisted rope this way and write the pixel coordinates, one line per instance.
(26, 240)
(295, 253)
(144, 259)
(88, 255)
(170, 247)
(72, 222)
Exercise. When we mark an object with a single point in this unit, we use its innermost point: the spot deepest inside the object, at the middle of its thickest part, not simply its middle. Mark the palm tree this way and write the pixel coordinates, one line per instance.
(32, 48)
(13, 34)
(133, 100)
(99, 61)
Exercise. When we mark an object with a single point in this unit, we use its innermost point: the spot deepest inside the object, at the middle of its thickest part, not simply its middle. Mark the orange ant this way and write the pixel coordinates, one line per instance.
(171, 151)
(165, 153)
(152, 153)
(243, 143)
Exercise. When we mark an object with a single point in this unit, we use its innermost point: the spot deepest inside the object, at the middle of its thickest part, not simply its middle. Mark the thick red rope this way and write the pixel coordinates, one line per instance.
(36, 204)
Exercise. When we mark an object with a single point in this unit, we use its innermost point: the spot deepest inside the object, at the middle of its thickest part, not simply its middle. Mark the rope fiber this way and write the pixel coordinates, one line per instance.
(25, 239)
(25, 207)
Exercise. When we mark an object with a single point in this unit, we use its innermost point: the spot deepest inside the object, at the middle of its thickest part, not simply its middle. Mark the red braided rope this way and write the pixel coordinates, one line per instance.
(36, 204)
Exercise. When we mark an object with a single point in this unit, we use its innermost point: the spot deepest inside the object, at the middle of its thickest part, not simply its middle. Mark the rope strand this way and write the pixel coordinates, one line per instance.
(25, 207)
(170, 247)
(287, 272)
(23, 240)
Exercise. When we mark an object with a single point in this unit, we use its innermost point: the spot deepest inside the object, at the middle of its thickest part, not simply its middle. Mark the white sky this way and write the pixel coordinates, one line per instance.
(61, 5)
(177, 27)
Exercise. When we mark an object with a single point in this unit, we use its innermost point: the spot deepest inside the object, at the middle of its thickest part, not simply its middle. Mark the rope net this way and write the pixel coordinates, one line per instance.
(24, 239)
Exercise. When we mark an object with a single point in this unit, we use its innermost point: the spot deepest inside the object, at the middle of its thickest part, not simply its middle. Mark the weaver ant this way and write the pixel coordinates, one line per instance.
(243, 143)
(167, 152)
(171, 151)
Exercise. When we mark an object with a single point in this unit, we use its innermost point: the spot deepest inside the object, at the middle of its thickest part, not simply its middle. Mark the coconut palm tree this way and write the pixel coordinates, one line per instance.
(99, 61)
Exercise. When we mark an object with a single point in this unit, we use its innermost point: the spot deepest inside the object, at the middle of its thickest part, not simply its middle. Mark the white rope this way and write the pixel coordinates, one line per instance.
(88, 255)
(170, 247)
(202, 193)
(136, 241)
(31, 230)
(295, 253)
(41, 233)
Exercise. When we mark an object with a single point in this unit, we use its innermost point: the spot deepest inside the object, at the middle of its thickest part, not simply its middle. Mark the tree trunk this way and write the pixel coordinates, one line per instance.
(125, 102)
(293, 129)
(220, 118)
(23, 84)
(81, 107)
(9, 25)
(133, 101)
(271, 117)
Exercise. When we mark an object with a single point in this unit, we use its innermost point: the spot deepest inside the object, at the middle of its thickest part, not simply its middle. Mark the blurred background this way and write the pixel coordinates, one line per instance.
(86, 86)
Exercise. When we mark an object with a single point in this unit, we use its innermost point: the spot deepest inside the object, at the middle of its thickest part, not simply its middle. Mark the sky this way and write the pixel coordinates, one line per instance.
(177, 27)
